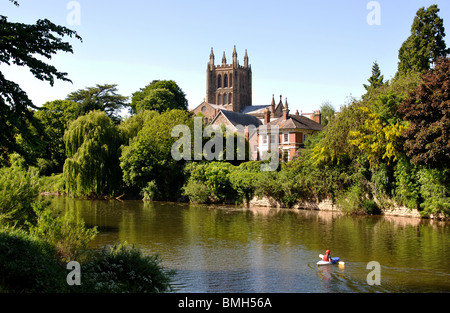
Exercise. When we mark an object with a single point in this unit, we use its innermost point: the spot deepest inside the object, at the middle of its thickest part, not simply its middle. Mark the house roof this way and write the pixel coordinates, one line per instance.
(296, 122)
(238, 118)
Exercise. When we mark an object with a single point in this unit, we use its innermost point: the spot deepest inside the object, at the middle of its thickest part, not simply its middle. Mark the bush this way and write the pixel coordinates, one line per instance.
(435, 191)
(196, 191)
(124, 269)
(354, 201)
(52, 184)
(66, 232)
(28, 264)
(19, 188)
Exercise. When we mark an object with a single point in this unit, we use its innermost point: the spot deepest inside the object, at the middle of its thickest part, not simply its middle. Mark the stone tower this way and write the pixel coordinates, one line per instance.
(229, 85)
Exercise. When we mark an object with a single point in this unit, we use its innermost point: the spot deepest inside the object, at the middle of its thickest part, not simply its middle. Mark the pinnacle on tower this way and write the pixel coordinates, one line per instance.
(211, 60)
(224, 59)
(235, 60)
(246, 59)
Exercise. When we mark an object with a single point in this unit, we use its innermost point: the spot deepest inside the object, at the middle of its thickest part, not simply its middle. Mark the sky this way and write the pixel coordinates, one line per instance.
(310, 52)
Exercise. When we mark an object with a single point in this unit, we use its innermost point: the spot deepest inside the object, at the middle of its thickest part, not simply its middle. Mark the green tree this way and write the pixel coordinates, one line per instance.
(327, 112)
(93, 148)
(425, 44)
(147, 161)
(160, 95)
(101, 97)
(376, 80)
(428, 110)
(55, 117)
(26, 45)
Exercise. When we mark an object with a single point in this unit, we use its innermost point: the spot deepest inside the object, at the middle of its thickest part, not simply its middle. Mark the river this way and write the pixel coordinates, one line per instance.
(239, 250)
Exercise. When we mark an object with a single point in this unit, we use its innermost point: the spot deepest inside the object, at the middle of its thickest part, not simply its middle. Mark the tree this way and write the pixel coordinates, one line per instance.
(93, 148)
(425, 44)
(26, 45)
(159, 96)
(376, 80)
(327, 112)
(428, 111)
(147, 161)
(55, 117)
(101, 97)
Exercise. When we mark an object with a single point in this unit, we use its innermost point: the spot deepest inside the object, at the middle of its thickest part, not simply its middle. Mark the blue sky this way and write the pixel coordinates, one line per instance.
(307, 51)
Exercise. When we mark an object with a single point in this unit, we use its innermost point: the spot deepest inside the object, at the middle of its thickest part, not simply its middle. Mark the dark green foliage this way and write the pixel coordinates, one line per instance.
(28, 264)
(376, 80)
(101, 98)
(426, 43)
(26, 45)
(159, 96)
(148, 157)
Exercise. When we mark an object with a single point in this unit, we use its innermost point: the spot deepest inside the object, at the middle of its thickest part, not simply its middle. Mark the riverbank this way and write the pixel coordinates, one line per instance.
(328, 205)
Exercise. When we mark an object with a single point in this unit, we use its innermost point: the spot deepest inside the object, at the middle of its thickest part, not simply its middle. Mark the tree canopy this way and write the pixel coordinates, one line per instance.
(101, 97)
(26, 45)
(425, 44)
(93, 148)
(159, 95)
(428, 111)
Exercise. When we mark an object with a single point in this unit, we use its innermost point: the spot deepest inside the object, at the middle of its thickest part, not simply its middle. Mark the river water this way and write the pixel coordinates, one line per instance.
(239, 250)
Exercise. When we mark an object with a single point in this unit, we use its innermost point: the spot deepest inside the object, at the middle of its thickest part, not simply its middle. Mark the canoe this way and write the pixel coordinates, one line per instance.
(333, 261)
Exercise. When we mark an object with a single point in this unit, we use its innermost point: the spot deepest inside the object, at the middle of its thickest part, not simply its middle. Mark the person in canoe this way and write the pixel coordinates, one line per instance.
(327, 256)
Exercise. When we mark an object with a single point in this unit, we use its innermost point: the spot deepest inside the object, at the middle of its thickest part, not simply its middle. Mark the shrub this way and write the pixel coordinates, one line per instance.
(28, 264)
(19, 188)
(66, 232)
(124, 269)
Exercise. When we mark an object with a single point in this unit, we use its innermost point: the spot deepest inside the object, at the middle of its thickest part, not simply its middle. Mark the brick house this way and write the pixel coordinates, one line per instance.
(287, 133)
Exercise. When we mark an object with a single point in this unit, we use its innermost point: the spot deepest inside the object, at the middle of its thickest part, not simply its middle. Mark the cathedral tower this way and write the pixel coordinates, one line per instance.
(229, 85)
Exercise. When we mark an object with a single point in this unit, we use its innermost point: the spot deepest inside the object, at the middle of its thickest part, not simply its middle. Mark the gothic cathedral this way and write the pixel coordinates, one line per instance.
(229, 85)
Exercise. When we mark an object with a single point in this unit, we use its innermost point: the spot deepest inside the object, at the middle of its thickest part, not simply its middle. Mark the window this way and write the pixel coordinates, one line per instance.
(225, 81)
(286, 137)
(304, 138)
(219, 81)
(229, 98)
(264, 139)
(203, 109)
(219, 99)
(231, 80)
(225, 98)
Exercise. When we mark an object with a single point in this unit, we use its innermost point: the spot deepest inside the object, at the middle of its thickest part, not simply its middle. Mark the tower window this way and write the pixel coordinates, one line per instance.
(219, 81)
(229, 98)
(225, 81)
(225, 99)
(231, 80)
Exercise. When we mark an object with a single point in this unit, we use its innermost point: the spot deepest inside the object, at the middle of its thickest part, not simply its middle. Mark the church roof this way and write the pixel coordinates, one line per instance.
(238, 118)
(254, 109)
(296, 122)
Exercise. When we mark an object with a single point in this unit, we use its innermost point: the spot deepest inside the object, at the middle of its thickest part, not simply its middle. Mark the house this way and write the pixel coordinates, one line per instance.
(240, 123)
(287, 133)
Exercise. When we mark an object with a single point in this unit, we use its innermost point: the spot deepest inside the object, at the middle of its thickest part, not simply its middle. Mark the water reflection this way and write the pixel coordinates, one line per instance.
(233, 249)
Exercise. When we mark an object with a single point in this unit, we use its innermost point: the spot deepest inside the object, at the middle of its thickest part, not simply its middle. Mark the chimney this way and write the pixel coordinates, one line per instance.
(317, 117)
(296, 113)
(266, 116)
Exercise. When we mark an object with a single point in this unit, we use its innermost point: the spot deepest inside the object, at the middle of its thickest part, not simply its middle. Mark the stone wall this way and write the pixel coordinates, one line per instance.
(327, 205)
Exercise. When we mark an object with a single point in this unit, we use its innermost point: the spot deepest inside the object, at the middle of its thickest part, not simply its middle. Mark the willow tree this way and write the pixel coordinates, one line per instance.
(93, 148)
